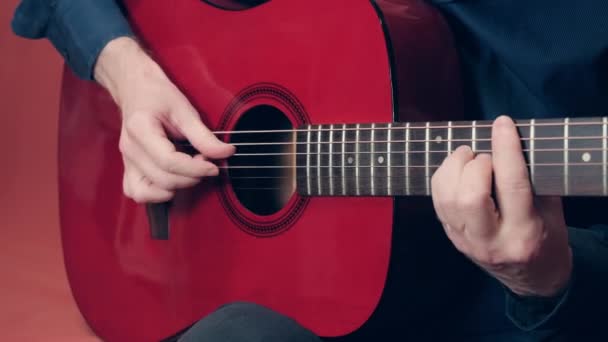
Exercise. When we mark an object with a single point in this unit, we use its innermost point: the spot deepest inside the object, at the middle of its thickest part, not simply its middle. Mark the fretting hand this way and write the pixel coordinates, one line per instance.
(154, 110)
(520, 239)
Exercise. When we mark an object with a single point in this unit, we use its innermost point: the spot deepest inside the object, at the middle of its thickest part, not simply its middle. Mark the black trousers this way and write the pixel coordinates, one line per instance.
(247, 322)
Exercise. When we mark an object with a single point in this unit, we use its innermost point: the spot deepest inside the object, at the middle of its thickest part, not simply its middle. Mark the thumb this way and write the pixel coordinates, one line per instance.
(189, 123)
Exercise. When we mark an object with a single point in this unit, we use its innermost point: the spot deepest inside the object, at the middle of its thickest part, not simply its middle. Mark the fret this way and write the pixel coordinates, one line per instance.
(585, 155)
(547, 157)
(461, 134)
(357, 133)
(301, 149)
(438, 147)
(474, 136)
(350, 176)
(372, 159)
(483, 137)
(308, 137)
(605, 154)
(427, 139)
(389, 180)
(326, 170)
(566, 159)
(407, 160)
(336, 172)
(319, 154)
(449, 147)
(343, 174)
(365, 159)
(417, 163)
(314, 165)
(331, 164)
(531, 151)
(398, 157)
(380, 158)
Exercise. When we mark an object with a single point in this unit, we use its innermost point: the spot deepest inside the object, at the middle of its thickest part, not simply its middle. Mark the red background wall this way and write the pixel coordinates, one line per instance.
(36, 303)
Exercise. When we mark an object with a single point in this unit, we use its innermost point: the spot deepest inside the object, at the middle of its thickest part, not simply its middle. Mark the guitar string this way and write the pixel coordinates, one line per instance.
(395, 187)
(409, 152)
(313, 128)
(400, 141)
(383, 166)
(420, 186)
(350, 177)
(412, 190)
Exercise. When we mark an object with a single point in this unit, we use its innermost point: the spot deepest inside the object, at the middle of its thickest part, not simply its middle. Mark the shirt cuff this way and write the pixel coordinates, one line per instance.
(530, 312)
(80, 30)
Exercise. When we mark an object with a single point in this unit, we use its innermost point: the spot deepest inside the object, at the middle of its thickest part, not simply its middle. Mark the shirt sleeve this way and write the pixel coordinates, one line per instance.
(584, 303)
(78, 29)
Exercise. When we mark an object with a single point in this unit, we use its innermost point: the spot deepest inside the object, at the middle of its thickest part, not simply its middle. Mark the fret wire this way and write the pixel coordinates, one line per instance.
(531, 154)
(605, 154)
(427, 135)
(449, 137)
(331, 144)
(357, 159)
(566, 178)
(474, 137)
(308, 160)
(372, 158)
(343, 157)
(407, 158)
(319, 133)
(388, 159)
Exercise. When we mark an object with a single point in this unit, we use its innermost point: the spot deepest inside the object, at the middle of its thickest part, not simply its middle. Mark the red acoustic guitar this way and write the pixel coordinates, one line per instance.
(340, 110)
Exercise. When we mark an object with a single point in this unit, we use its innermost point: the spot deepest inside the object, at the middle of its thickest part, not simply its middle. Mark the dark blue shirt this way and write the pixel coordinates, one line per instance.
(78, 29)
(536, 58)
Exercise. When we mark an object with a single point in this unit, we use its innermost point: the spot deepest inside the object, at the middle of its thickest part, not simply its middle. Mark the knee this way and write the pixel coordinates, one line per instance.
(244, 308)
(244, 321)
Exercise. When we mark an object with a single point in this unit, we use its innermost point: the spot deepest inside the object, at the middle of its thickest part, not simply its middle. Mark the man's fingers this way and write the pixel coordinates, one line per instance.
(513, 189)
(189, 123)
(141, 190)
(445, 186)
(475, 203)
(158, 176)
(147, 132)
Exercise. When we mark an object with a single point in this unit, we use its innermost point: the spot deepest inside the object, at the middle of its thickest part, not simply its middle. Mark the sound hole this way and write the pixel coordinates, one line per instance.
(261, 172)
(235, 5)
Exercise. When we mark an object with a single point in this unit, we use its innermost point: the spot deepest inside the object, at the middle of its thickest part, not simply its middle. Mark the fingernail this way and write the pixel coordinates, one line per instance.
(213, 171)
(503, 121)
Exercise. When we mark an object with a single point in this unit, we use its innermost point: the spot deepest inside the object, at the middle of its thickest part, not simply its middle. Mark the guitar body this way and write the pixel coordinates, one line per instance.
(321, 260)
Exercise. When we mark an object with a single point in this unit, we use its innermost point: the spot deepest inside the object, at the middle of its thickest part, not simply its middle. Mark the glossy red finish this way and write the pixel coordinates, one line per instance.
(328, 269)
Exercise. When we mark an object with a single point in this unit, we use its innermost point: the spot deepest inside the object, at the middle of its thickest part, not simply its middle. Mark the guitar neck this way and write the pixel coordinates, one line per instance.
(566, 157)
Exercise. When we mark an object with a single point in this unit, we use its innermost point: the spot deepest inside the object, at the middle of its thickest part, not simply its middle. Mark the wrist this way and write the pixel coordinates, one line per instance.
(545, 279)
(121, 64)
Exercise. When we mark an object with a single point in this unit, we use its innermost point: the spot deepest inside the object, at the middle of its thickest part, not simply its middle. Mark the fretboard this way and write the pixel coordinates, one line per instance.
(565, 157)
